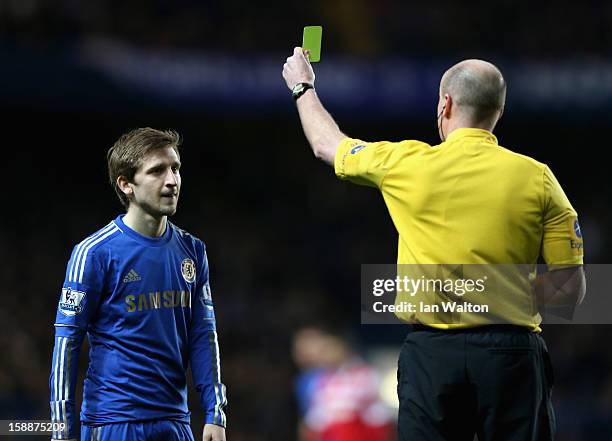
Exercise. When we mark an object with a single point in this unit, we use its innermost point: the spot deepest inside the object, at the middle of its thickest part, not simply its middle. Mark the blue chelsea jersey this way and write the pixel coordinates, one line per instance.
(145, 304)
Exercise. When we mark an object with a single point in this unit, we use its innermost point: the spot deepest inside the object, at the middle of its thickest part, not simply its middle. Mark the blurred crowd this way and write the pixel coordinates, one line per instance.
(352, 27)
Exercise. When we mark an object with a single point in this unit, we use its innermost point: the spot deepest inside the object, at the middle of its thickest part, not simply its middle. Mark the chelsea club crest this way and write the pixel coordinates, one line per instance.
(188, 270)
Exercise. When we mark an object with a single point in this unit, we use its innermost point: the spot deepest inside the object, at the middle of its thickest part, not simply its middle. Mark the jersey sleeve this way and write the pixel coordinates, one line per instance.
(78, 301)
(562, 242)
(364, 163)
(204, 349)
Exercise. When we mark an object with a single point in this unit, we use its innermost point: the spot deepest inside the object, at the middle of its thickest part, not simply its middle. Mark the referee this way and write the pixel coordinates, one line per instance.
(465, 201)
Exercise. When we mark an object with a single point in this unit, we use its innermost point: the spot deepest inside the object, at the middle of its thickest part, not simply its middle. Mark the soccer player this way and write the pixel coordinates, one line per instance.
(465, 201)
(338, 392)
(139, 288)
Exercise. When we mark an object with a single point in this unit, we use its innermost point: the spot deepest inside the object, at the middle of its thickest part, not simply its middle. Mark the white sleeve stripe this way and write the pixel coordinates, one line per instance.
(218, 361)
(101, 238)
(58, 375)
(53, 398)
(57, 412)
(53, 418)
(212, 336)
(83, 245)
(118, 227)
(217, 385)
(79, 249)
(68, 355)
(64, 432)
(61, 385)
(61, 369)
(67, 381)
(217, 358)
(55, 363)
(77, 252)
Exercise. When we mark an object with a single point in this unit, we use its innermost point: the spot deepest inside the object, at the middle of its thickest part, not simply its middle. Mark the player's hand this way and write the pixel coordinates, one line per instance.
(297, 69)
(212, 432)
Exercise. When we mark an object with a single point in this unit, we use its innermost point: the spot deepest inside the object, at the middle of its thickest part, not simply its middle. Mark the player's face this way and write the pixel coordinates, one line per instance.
(157, 183)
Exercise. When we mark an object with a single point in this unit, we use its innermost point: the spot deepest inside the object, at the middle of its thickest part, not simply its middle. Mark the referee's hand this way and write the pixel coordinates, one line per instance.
(297, 69)
(213, 433)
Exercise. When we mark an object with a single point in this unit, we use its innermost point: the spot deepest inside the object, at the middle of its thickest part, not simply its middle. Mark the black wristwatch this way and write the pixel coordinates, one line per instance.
(299, 89)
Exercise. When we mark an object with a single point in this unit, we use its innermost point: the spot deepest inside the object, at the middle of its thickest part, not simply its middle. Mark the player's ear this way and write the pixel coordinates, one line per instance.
(448, 105)
(125, 186)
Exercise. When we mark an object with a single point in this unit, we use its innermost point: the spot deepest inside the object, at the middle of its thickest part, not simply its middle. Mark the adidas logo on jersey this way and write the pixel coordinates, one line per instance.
(132, 276)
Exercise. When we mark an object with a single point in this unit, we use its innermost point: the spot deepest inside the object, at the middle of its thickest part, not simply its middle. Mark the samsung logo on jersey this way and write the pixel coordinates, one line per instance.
(158, 300)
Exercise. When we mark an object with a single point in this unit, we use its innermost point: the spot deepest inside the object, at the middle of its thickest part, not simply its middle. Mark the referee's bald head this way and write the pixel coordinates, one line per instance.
(478, 90)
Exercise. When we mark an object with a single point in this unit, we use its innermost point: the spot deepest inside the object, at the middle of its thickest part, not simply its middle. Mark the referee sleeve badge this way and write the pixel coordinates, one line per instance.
(576, 242)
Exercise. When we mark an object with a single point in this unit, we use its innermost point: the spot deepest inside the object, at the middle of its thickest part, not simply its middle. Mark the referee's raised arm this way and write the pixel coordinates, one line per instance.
(320, 129)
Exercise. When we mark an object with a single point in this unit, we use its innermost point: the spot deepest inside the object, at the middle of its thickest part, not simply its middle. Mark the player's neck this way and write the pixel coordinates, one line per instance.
(461, 123)
(145, 224)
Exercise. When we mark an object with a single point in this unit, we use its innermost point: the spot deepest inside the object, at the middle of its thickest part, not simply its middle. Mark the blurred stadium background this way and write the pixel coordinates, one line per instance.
(285, 238)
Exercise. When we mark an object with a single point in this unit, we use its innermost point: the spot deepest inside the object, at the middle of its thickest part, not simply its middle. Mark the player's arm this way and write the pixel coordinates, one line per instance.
(204, 355)
(62, 382)
(561, 287)
(562, 248)
(78, 299)
(320, 129)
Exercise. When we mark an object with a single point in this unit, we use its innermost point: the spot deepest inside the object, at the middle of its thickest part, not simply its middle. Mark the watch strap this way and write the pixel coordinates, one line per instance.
(299, 89)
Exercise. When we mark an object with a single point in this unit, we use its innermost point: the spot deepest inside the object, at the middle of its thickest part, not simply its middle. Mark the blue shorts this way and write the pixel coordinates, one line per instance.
(155, 430)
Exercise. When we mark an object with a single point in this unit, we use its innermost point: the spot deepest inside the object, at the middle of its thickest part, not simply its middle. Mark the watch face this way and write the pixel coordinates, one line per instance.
(298, 88)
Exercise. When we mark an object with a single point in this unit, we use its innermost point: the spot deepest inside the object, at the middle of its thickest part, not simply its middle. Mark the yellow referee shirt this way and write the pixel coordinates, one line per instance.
(470, 201)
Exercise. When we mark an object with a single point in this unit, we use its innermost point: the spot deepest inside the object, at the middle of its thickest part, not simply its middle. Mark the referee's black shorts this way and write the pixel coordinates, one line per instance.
(493, 381)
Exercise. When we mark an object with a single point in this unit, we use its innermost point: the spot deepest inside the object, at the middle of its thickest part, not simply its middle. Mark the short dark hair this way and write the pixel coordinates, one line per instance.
(126, 155)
